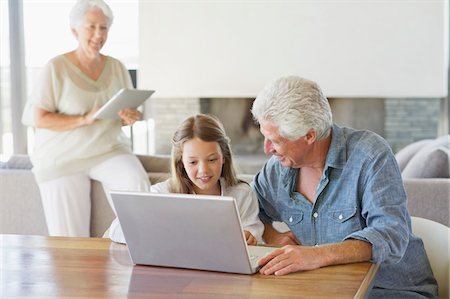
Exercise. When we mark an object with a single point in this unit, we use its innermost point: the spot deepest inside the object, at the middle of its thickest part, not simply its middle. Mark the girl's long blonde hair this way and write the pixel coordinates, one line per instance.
(207, 128)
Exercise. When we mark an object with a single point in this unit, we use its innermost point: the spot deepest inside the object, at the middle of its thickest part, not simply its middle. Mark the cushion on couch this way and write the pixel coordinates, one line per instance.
(17, 162)
(404, 155)
(154, 163)
(432, 161)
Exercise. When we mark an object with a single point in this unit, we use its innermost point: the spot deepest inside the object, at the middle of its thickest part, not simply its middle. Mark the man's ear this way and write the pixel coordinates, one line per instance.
(310, 136)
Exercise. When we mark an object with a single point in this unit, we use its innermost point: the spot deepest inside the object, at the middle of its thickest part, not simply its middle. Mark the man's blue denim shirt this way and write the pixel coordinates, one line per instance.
(360, 196)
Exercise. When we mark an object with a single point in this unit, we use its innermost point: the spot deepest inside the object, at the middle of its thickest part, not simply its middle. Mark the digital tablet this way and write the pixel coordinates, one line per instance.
(124, 98)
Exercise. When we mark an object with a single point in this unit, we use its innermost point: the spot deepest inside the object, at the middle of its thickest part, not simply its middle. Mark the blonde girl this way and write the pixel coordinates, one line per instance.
(202, 163)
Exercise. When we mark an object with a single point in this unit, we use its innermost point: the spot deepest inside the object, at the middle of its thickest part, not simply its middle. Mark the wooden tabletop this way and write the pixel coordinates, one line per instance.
(58, 267)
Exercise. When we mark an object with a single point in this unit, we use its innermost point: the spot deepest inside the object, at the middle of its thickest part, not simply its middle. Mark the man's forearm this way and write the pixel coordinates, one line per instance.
(349, 251)
(293, 258)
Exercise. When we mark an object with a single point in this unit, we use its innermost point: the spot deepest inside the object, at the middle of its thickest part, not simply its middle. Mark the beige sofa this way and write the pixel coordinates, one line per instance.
(20, 203)
(425, 170)
(21, 209)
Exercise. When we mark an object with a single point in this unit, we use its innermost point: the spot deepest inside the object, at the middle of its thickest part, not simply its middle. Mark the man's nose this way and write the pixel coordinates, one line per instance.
(268, 147)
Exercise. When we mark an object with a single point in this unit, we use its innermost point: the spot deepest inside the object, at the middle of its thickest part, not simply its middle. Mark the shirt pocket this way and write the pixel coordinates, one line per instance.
(342, 215)
(292, 219)
(343, 222)
(298, 225)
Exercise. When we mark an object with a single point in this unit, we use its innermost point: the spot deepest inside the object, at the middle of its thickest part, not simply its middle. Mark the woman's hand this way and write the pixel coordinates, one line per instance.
(129, 116)
(251, 240)
(88, 119)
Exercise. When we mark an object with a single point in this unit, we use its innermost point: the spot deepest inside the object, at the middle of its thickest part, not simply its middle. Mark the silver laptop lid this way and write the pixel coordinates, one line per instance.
(183, 230)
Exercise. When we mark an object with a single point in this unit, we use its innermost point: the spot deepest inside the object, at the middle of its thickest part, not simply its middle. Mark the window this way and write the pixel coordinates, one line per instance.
(5, 85)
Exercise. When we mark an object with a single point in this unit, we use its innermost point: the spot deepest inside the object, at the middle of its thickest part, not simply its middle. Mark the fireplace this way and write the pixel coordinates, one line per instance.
(399, 120)
(238, 122)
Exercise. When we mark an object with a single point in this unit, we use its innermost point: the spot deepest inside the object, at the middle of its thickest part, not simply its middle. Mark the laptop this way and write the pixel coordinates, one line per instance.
(186, 231)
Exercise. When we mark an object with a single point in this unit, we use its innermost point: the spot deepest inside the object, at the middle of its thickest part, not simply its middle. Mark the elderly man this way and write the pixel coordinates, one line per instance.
(338, 189)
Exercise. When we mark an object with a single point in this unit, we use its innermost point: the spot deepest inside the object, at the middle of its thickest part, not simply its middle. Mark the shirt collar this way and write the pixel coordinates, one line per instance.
(337, 153)
(336, 157)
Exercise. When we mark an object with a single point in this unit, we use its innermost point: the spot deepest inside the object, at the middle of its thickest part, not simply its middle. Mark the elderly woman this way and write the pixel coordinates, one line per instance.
(71, 146)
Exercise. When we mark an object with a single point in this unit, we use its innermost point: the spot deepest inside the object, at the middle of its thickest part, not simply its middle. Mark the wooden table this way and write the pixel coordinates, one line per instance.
(57, 267)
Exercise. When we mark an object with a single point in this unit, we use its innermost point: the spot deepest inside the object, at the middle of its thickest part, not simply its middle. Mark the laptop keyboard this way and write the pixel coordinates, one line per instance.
(254, 260)
(257, 252)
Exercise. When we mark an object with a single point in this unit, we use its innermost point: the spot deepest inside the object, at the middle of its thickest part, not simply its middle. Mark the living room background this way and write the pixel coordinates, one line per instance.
(400, 120)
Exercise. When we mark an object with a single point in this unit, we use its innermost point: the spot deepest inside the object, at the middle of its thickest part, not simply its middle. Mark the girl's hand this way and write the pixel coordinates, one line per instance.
(129, 116)
(251, 240)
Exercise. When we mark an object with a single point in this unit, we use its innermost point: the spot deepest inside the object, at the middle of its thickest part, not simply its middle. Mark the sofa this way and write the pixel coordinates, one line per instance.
(21, 209)
(425, 169)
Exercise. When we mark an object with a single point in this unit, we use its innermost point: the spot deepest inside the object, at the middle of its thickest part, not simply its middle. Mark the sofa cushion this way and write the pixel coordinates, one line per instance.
(157, 177)
(17, 162)
(432, 161)
(404, 155)
(429, 198)
(155, 163)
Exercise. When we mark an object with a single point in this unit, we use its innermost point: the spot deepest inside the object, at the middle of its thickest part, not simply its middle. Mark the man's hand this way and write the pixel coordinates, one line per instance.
(290, 258)
(251, 240)
(293, 258)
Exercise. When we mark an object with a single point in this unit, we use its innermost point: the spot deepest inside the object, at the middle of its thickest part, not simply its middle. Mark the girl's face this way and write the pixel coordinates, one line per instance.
(203, 161)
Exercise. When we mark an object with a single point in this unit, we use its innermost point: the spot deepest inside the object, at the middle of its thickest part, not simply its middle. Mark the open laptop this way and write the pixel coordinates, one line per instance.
(186, 231)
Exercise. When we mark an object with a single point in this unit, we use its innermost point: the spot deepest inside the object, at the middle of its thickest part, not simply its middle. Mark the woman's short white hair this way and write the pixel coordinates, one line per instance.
(295, 105)
(80, 9)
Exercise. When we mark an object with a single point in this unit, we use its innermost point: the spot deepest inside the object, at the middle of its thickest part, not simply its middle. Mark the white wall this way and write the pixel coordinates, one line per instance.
(363, 48)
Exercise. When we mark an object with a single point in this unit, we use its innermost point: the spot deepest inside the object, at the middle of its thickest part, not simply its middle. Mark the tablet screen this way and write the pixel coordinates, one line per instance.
(124, 98)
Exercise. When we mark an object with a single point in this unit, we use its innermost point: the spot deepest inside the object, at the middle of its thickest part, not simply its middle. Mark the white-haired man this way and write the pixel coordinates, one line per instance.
(338, 189)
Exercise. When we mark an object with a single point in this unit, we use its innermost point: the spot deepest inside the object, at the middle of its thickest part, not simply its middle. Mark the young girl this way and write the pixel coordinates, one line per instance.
(202, 163)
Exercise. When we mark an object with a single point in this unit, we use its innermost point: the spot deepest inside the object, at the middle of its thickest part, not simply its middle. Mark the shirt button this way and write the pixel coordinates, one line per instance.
(290, 219)
(340, 217)
(315, 215)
